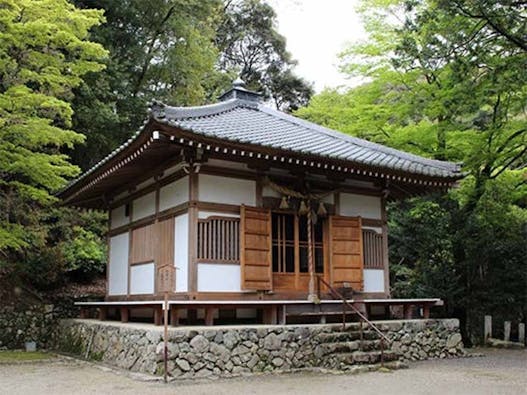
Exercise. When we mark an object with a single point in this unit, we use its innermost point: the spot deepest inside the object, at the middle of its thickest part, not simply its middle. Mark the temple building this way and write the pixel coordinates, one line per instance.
(236, 209)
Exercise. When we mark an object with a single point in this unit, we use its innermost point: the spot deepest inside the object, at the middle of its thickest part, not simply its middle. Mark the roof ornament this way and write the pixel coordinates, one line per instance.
(240, 92)
(157, 109)
(238, 83)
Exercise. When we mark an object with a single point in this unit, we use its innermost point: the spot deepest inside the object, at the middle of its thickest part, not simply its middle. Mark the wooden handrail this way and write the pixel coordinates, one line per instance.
(357, 311)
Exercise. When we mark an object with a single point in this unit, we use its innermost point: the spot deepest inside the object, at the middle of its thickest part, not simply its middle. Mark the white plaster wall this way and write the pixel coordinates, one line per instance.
(144, 206)
(373, 280)
(118, 265)
(218, 277)
(118, 217)
(142, 279)
(174, 193)
(360, 205)
(181, 252)
(227, 190)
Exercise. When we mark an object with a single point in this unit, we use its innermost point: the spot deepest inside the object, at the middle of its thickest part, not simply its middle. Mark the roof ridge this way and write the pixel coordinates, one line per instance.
(450, 166)
(161, 110)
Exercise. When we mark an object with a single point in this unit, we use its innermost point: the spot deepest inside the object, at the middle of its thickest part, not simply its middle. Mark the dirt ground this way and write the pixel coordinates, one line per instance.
(498, 372)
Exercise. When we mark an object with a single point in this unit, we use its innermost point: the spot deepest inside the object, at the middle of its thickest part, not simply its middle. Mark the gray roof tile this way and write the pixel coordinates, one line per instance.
(253, 123)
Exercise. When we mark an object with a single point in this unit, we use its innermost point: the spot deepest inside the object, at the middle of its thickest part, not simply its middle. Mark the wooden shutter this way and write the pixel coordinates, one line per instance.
(165, 243)
(143, 244)
(346, 251)
(255, 249)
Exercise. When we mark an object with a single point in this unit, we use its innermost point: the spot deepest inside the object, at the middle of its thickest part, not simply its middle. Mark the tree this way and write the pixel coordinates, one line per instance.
(250, 46)
(44, 52)
(160, 49)
(446, 79)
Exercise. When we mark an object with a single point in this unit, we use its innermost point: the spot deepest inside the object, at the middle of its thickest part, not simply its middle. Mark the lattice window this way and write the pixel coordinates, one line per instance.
(373, 249)
(219, 239)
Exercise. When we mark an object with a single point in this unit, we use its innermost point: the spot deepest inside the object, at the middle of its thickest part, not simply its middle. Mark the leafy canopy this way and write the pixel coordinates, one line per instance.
(44, 52)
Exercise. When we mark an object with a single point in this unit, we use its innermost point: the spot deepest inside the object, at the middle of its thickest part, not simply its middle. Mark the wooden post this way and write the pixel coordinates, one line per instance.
(407, 312)
(269, 315)
(124, 314)
(487, 332)
(507, 331)
(165, 336)
(282, 318)
(83, 313)
(426, 311)
(158, 315)
(103, 313)
(174, 316)
(521, 332)
(209, 316)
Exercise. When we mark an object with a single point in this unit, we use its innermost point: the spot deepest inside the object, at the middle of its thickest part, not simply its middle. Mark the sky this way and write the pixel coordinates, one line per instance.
(316, 31)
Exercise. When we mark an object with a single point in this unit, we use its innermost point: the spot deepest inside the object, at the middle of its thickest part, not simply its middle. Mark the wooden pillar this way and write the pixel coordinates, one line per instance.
(174, 316)
(125, 314)
(83, 313)
(507, 331)
(385, 255)
(487, 331)
(209, 316)
(407, 312)
(426, 311)
(269, 315)
(192, 316)
(158, 315)
(103, 313)
(521, 332)
(193, 231)
(282, 319)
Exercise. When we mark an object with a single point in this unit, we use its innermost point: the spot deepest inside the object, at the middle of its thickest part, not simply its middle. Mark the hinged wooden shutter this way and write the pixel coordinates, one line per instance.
(165, 243)
(347, 261)
(255, 249)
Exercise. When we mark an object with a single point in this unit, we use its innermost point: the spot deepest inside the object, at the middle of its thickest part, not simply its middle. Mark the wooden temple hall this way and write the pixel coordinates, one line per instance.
(239, 212)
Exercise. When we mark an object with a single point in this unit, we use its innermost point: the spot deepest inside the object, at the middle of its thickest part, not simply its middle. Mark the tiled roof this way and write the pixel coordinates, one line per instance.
(250, 122)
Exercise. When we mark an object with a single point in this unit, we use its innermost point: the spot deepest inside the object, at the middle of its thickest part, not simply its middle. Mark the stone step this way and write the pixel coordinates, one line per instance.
(362, 357)
(333, 337)
(355, 345)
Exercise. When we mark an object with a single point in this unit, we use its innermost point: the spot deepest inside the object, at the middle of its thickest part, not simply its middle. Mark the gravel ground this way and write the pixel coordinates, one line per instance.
(498, 372)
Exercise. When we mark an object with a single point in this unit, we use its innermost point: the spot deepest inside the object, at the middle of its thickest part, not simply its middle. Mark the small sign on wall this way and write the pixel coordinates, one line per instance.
(166, 278)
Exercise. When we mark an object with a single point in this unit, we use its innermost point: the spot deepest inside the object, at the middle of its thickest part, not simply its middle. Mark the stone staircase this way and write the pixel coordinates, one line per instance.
(343, 349)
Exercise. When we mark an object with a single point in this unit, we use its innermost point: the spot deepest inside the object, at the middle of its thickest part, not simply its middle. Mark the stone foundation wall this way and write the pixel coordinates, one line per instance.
(228, 351)
(30, 323)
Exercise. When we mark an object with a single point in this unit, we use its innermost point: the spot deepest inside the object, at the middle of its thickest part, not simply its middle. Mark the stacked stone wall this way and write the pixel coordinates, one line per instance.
(228, 351)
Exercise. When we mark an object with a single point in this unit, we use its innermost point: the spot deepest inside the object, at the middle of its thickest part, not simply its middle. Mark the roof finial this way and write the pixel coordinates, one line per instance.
(238, 83)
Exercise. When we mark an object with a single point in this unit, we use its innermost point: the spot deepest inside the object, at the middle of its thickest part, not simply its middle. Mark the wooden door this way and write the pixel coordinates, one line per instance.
(255, 249)
(345, 251)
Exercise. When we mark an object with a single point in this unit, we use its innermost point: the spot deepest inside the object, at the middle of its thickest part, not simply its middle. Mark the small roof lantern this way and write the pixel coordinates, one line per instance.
(238, 91)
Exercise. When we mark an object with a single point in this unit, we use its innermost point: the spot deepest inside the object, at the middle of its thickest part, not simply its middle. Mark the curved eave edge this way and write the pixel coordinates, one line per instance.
(451, 177)
(99, 166)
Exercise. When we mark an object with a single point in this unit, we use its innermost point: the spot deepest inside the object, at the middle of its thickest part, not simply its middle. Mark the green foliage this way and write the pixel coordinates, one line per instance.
(446, 79)
(160, 49)
(422, 251)
(44, 53)
(251, 46)
(85, 253)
